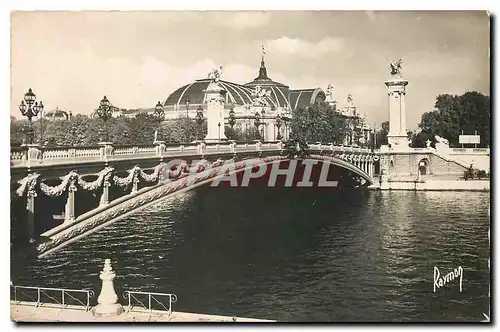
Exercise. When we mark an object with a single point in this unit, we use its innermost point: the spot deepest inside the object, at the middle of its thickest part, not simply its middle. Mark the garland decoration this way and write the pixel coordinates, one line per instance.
(98, 183)
(27, 183)
(70, 178)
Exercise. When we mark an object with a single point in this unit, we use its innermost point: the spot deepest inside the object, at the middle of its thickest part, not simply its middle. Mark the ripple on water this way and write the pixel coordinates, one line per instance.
(270, 253)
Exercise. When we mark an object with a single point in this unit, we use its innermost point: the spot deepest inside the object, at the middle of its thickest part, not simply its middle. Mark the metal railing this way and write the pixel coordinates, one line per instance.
(153, 303)
(60, 296)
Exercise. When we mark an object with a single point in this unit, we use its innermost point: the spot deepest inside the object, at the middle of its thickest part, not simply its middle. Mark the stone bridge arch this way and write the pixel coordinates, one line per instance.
(162, 185)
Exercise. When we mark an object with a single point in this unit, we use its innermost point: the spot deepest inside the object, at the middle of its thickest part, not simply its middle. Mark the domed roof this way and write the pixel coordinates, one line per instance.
(57, 114)
(305, 97)
(195, 93)
(279, 91)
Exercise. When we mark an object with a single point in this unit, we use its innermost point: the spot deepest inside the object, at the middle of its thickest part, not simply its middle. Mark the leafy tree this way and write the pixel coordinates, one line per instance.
(296, 148)
(240, 135)
(469, 112)
(318, 123)
(382, 134)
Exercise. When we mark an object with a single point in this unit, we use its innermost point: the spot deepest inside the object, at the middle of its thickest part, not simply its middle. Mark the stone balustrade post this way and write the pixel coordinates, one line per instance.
(258, 146)
(33, 153)
(106, 150)
(232, 146)
(105, 193)
(160, 148)
(135, 183)
(30, 209)
(71, 153)
(69, 211)
(108, 300)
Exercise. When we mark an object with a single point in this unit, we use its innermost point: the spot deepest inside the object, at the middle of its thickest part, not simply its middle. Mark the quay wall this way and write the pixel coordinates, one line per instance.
(436, 185)
(31, 313)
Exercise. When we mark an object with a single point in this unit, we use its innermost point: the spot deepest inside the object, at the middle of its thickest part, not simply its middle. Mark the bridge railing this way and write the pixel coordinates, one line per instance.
(60, 297)
(470, 151)
(33, 155)
(148, 301)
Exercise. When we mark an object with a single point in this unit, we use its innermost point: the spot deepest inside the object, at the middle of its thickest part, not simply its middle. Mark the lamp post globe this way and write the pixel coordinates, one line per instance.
(199, 118)
(30, 108)
(104, 112)
(159, 111)
(278, 125)
(232, 118)
(186, 101)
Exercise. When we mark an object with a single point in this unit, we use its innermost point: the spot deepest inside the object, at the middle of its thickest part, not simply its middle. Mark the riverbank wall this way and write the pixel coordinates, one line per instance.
(434, 185)
(29, 312)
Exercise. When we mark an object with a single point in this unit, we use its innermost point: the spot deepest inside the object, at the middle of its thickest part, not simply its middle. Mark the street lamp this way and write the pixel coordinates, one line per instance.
(278, 125)
(187, 107)
(218, 124)
(199, 118)
(160, 116)
(30, 108)
(104, 112)
(232, 118)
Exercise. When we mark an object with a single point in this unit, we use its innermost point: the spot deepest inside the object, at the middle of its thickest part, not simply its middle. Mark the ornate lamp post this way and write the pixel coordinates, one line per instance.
(256, 121)
(160, 116)
(285, 121)
(232, 118)
(30, 108)
(278, 125)
(218, 124)
(199, 118)
(187, 107)
(104, 112)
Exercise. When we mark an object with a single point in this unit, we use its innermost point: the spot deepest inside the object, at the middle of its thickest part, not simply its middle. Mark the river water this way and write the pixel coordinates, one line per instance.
(292, 254)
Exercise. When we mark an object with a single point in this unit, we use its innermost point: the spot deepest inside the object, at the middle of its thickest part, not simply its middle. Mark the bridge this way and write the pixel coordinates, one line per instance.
(63, 194)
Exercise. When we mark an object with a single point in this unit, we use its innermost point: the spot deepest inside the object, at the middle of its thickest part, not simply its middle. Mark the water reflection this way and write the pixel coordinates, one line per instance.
(296, 255)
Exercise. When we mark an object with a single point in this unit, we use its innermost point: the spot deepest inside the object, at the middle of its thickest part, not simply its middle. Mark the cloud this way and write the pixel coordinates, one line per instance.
(243, 20)
(304, 48)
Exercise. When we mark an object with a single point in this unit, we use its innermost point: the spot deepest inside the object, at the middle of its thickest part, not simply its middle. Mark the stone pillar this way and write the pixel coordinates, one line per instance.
(135, 183)
(105, 193)
(69, 212)
(30, 209)
(106, 150)
(397, 136)
(160, 148)
(33, 153)
(215, 96)
(108, 300)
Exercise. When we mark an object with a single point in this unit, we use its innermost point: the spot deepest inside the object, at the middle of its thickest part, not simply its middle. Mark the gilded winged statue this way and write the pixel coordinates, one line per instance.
(396, 67)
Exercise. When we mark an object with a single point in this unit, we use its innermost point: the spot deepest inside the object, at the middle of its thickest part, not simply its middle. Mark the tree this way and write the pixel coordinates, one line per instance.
(381, 135)
(318, 123)
(453, 114)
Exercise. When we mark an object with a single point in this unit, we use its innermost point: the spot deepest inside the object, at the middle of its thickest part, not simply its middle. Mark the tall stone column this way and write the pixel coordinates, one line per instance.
(69, 215)
(216, 97)
(397, 136)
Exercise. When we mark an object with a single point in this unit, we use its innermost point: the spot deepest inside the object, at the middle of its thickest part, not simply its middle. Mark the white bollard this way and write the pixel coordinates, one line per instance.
(108, 300)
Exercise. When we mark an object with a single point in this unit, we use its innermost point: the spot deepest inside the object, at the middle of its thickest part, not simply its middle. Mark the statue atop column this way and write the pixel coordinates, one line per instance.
(396, 67)
(349, 99)
(329, 93)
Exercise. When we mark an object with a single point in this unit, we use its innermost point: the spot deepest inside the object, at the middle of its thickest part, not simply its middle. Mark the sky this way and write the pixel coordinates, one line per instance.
(72, 59)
